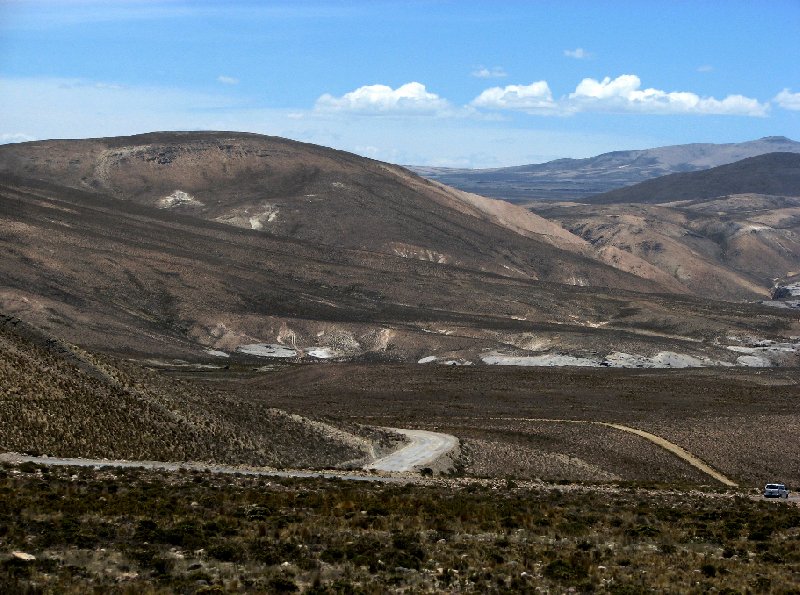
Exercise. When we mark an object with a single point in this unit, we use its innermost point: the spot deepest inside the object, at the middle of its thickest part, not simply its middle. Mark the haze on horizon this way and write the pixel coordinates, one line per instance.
(441, 83)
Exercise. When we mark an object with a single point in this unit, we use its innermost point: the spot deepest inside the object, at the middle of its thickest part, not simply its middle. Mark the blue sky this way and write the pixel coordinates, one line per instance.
(454, 83)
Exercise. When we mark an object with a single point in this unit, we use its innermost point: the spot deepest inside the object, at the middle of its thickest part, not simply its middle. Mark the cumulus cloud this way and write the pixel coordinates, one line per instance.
(381, 99)
(489, 73)
(534, 97)
(788, 100)
(578, 54)
(624, 93)
(227, 80)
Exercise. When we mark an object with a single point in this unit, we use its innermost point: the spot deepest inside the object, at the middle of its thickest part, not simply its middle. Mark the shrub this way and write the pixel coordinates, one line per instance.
(709, 570)
(226, 551)
(282, 584)
(565, 570)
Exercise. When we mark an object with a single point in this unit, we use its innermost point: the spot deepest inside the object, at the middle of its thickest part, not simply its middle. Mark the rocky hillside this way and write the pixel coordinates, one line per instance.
(732, 247)
(730, 232)
(310, 193)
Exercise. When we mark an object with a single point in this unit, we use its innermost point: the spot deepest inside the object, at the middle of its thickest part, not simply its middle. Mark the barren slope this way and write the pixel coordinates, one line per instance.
(712, 230)
(121, 272)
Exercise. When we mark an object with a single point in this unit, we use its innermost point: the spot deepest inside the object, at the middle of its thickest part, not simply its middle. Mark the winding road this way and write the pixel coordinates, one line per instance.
(424, 449)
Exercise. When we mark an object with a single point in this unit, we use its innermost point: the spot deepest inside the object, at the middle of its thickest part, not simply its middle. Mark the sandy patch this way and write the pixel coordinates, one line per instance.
(753, 361)
(549, 360)
(267, 350)
(322, 352)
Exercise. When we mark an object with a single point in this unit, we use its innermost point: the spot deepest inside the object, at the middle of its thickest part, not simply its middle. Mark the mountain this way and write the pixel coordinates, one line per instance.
(575, 179)
(305, 192)
(157, 247)
(775, 174)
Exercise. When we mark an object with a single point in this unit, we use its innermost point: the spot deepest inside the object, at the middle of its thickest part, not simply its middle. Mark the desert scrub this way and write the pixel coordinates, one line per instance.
(145, 531)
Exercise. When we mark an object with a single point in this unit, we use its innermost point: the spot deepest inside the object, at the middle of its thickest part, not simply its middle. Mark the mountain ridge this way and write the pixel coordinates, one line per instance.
(575, 179)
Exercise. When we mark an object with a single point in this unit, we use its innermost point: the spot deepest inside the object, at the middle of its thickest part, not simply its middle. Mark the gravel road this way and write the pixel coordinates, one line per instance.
(658, 440)
(424, 449)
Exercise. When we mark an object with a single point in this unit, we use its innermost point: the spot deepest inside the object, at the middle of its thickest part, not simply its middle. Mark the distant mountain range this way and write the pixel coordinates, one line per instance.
(776, 174)
(576, 179)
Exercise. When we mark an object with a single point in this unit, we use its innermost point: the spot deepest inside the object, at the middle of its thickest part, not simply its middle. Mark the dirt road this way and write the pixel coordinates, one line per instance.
(662, 442)
(424, 450)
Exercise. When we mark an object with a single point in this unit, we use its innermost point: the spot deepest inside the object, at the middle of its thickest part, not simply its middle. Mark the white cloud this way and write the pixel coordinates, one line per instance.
(381, 99)
(40, 108)
(535, 97)
(489, 73)
(624, 93)
(705, 68)
(227, 80)
(578, 54)
(788, 100)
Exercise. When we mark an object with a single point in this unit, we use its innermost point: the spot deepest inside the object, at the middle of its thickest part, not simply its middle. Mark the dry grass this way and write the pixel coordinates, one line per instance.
(757, 446)
(566, 451)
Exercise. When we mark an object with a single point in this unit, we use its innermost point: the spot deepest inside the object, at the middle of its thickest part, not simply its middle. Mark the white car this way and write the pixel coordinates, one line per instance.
(775, 490)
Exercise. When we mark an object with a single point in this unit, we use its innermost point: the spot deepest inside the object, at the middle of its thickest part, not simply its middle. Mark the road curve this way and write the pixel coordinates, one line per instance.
(423, 451)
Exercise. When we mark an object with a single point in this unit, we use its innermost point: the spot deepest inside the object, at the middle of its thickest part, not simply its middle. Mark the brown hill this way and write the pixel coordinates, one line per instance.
(732, 247)
(306, 192)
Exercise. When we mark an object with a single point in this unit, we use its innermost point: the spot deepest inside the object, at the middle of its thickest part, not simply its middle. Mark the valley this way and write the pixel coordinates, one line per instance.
(579, 179)
(227, 314)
